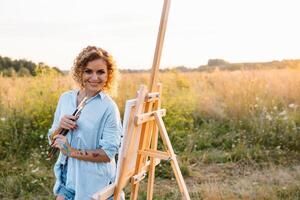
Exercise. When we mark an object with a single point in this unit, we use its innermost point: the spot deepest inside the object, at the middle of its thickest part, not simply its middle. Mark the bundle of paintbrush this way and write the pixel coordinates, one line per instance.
(64, 132)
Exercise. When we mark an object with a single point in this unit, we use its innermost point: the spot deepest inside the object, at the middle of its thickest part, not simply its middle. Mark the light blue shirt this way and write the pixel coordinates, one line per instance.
(99, 126)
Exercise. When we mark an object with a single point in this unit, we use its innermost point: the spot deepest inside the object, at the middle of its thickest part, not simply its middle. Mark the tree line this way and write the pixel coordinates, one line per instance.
(221, 64)
(22, 67)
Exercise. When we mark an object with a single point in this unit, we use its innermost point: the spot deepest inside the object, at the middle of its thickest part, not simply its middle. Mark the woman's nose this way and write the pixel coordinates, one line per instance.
(94, 76)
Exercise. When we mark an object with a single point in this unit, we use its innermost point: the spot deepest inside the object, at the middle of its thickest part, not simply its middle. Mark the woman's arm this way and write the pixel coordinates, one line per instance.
(111, 136)
(97, 155)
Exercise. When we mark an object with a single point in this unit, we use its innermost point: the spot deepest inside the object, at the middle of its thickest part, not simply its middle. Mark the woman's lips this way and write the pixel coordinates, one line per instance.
(94, 83)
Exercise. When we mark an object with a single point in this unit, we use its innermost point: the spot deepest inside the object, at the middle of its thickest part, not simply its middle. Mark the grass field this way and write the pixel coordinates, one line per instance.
(236, 133)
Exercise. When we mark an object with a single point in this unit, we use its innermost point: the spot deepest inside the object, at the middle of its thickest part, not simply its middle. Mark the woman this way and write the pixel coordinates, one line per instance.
(86, 161)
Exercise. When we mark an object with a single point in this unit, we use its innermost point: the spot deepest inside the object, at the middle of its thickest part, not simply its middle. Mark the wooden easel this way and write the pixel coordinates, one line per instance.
(142, 124)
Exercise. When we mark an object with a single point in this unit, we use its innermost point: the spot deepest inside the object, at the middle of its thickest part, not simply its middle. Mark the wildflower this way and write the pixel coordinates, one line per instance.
(3, 119)
(268, 117)
(34, 181)
(35, 170)
(291, 105)
(282, 113)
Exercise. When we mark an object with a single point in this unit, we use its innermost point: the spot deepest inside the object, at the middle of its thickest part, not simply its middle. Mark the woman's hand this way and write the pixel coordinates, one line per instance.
(68, 122)
(62, 143)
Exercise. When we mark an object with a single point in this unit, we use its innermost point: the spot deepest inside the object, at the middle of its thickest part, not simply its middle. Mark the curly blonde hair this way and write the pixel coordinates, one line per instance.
(91, 53)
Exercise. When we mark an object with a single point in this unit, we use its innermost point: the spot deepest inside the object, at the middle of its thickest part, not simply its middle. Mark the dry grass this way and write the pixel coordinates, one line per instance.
(218, 94)
(255, 112)
(233, 182)
(271, 183)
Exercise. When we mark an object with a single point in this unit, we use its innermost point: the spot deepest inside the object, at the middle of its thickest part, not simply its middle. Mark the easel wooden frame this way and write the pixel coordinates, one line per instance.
(143, 122)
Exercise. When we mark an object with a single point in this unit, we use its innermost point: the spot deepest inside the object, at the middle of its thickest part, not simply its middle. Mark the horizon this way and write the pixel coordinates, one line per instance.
(238, 32)
(169, 67)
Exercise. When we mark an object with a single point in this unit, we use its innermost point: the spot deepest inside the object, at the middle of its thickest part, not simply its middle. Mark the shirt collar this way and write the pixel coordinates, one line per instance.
(101, 94)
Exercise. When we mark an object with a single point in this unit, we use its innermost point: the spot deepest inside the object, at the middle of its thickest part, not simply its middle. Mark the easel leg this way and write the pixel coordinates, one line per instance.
(134, 191)
(151, 174)
(154, 141)
(141, 159)
(174, 163)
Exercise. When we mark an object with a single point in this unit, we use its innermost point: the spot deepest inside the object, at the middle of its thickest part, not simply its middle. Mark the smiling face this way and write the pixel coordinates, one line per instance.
(95, 76)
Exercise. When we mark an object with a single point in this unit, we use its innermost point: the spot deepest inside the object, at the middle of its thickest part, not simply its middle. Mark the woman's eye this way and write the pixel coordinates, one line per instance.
(88, 71)
(100, 72)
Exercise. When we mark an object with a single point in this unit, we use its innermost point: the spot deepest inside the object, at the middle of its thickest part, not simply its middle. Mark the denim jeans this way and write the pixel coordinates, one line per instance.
(68, 193)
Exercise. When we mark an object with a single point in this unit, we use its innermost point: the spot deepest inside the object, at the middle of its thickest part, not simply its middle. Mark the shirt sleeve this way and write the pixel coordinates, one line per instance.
(111, 137)
(56, 119)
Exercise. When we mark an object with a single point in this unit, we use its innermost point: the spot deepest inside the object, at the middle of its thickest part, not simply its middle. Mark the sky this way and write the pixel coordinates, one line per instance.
(55, 31)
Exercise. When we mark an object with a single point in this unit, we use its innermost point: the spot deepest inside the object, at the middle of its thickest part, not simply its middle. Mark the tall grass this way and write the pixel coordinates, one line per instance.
(214, 117)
